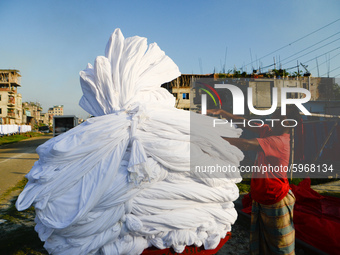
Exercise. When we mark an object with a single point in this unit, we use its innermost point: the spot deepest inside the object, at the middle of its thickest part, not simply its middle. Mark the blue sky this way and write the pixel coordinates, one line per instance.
(51, 41)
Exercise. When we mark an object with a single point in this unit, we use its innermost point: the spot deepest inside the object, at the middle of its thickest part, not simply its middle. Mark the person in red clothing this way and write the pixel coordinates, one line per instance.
(272, 229)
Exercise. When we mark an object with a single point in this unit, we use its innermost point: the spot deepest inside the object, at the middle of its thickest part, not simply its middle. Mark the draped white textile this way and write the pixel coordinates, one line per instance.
(13, 129)
(121, 181)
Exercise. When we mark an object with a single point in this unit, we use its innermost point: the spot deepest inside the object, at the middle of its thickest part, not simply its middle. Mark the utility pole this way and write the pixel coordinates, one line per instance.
(200, 64)
(251, 59)
(225, 58)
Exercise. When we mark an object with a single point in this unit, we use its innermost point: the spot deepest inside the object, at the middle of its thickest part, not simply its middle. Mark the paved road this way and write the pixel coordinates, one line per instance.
(17, 159)
(333, 187)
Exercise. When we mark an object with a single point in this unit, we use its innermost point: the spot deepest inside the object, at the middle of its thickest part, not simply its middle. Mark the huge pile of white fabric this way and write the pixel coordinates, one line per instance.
(121, 181)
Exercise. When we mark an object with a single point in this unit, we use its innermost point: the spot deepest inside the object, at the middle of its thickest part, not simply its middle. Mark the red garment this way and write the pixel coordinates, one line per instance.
(269, 187)
(316, 217)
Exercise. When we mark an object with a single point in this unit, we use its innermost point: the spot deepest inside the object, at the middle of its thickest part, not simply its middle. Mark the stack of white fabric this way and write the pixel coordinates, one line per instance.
(121, 181)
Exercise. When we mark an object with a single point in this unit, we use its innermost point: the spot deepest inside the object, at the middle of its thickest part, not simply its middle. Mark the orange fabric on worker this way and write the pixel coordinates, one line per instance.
(271, 186)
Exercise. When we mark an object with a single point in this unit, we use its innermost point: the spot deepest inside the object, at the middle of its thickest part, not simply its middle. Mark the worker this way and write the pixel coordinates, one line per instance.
(272, 229)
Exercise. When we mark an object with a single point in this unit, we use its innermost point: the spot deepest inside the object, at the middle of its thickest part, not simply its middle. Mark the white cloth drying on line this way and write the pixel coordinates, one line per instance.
(10, 129)
(121, 181)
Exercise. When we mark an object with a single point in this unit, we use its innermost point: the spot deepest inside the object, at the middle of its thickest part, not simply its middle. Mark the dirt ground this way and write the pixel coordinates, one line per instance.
(238, 244)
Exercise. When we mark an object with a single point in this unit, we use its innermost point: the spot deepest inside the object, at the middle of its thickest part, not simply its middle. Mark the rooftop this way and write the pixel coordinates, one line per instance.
(10, 71)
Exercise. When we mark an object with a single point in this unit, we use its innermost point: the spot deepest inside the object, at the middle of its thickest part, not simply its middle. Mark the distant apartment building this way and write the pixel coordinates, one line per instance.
(10, 100)
(46, 118)
(32, 113)
(56, 110)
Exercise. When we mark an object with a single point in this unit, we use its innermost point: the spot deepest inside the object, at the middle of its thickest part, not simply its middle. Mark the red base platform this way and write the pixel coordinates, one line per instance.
(188, 249)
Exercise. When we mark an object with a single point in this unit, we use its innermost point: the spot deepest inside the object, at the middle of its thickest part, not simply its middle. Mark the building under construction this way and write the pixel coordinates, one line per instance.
(180, 88)
(10, 100)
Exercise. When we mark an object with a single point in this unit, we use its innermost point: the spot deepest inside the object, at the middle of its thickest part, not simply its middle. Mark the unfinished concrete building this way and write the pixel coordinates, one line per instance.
(180, 88)
(10, 100)
(32, 112)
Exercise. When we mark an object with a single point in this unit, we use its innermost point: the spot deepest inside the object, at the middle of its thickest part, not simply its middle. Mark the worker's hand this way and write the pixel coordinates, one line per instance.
(214, 111)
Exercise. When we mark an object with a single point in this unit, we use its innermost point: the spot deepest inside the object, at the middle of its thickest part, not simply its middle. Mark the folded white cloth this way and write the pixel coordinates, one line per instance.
(121, 181)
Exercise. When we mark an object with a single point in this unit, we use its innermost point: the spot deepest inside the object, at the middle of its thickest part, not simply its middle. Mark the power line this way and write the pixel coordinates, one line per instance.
(312, 51)
(331, 71)
(325, 61)
(310, 46)
(309, 59)
(322, 54)
(291, 67)
(296, 40)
